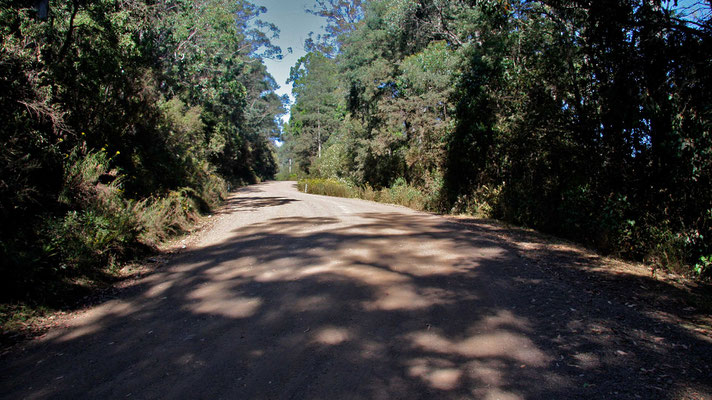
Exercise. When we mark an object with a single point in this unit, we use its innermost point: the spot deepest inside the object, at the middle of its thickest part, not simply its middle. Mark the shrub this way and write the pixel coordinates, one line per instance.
(84, 240)
(98, 228)
(284, 175)
(333, 161)
(703, 268)
(327, 187)
(102, 227)
(213, 191)
(403, 194)
(368, 193)
(163, 217)
(481, 203)
(400, 193)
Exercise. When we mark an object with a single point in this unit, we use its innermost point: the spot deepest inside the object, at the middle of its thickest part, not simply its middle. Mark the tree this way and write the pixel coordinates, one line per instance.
(588, 119)
(109, 108)
(317, 111)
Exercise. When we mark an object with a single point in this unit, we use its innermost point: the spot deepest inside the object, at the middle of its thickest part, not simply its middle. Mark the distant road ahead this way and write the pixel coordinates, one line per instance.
(296, 296)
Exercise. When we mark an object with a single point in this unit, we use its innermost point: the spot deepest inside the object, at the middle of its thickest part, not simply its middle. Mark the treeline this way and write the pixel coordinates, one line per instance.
(121, 121)
(586, 119)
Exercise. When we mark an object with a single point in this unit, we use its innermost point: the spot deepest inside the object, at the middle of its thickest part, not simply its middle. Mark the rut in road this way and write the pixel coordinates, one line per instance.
(295, 296)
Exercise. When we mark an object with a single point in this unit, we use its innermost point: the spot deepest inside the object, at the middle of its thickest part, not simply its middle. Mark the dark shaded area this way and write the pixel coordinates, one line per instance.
(252, 203)
(98, 123)
(565, 260)
(396, 305)
(585, 119)
(603, 113)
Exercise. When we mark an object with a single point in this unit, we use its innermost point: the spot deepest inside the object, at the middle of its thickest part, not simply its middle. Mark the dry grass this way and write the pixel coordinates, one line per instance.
(400, 193)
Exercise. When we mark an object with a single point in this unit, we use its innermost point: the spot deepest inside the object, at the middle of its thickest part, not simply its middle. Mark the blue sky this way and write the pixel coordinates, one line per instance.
(294, 24)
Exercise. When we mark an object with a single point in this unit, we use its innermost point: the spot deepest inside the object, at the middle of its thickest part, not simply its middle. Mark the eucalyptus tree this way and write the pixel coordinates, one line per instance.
(317, 111)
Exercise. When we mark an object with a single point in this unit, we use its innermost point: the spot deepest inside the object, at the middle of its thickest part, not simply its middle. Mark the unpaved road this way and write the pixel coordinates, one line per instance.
(295, 296)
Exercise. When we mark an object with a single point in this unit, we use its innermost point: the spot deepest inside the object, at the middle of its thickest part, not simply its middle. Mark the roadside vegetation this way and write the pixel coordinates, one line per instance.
(589, 120)
(400, 193)
(122, 123)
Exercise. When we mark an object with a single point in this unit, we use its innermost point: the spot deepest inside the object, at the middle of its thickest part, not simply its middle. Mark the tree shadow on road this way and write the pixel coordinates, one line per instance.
(397, 305)
(252, 203)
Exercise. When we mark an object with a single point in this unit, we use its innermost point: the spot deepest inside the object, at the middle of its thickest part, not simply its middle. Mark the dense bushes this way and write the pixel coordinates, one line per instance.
(99, 228)
(121, 122)
(589, 120)
(327, 187)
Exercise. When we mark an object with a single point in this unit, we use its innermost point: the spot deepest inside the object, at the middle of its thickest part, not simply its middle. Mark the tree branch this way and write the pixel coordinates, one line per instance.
(68, 37)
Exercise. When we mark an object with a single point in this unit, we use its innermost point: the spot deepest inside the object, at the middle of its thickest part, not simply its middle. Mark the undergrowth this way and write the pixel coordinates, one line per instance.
(63, 254)
(399, 193)
(685, 253)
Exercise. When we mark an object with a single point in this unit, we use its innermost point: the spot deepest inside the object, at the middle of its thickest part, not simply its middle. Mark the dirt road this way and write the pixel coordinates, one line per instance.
(295, 296)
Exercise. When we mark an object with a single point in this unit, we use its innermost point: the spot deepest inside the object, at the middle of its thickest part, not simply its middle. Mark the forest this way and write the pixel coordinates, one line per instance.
(589, 120)
(122, 122)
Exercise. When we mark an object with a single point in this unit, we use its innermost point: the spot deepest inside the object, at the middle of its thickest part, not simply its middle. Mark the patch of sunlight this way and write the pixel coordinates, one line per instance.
(587, 360)
(488, 372)
(90, 322)
(158, 289)
(364, 273)
(415, 257)
(228, 270)
(393, 290)
(443, 376)
(504, 319)
(502, 344)
(274, 274)
(371, 350)
(331, 336)
(217, 298)
(241, 307)
(498, 394)
(310, 303)
(403, 297)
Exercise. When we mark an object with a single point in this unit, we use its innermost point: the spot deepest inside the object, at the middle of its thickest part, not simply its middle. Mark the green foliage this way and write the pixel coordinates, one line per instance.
(326, 187)
(96, 228)
(103, 227)
(82, 240)
(433, 68)
(482, 203)
(286, 176)
(318, 110)
(121, 123)
(704, 266)
(334, 161)
(589, 120)
(403, 194)
(164, 217)
(400, 193)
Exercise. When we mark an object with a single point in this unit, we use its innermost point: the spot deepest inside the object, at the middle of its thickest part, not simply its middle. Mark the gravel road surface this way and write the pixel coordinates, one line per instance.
(296, 296)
